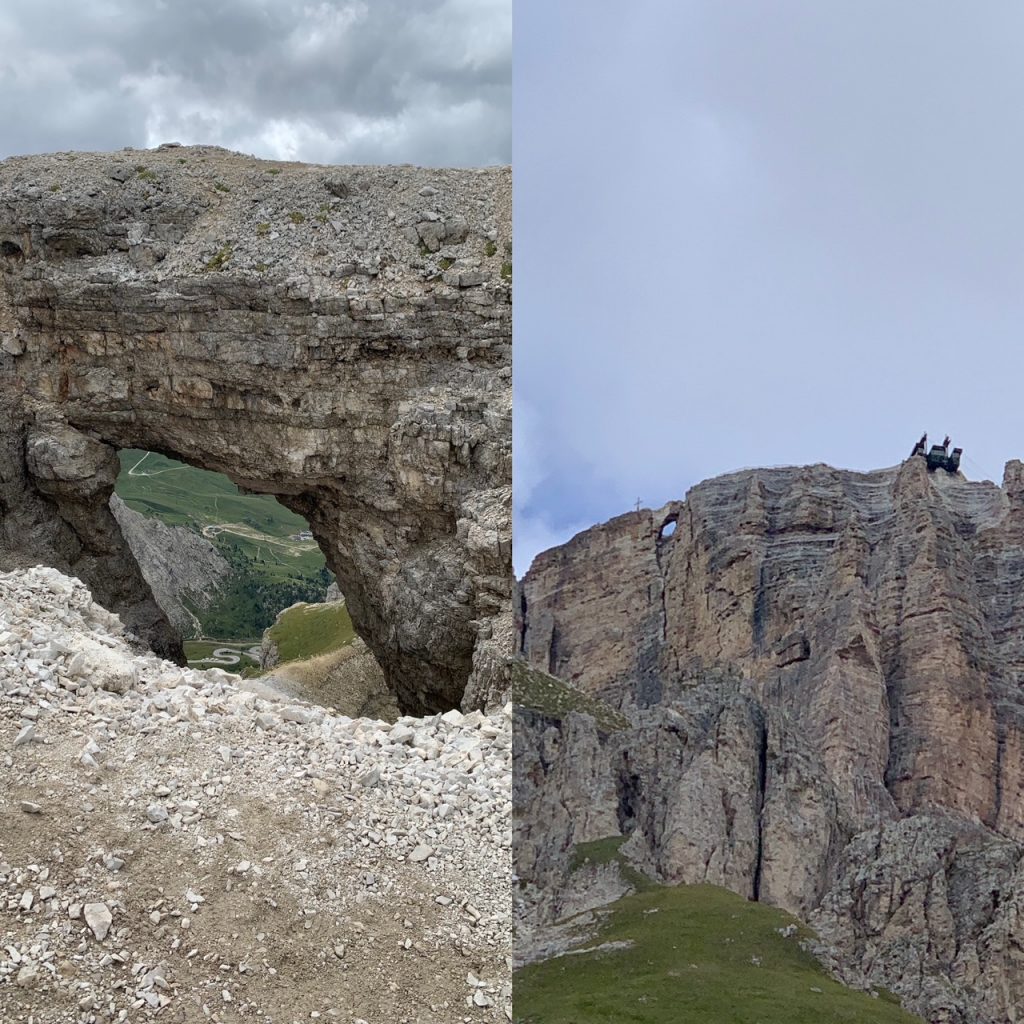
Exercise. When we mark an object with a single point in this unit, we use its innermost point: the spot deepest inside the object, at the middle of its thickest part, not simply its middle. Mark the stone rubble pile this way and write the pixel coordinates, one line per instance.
(172, 845)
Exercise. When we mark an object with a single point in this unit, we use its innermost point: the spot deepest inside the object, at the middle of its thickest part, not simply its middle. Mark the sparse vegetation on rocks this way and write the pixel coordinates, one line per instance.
(220, 258)
(538, 691)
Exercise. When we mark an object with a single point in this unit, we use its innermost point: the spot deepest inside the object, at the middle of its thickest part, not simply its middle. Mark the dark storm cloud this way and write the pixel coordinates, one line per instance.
(418, 81)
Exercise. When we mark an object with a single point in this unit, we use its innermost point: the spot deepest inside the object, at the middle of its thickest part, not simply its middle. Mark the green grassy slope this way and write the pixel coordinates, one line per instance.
(272, 567)
(306, 631)
(183, 495)
(538, 691)
(698, 953)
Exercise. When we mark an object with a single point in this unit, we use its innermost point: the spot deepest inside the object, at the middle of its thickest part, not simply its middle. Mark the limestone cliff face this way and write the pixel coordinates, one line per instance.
(337, 337)
(880, 611)
(823, 671)
(181, 567)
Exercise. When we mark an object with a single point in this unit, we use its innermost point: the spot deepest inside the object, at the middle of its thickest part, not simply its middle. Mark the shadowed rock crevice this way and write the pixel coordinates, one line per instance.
(762, 781)
(307, 342)
(628, 791)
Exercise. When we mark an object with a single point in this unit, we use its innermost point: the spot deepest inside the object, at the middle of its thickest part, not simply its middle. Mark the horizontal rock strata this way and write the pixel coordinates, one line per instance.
(822, 672)
(339, 337)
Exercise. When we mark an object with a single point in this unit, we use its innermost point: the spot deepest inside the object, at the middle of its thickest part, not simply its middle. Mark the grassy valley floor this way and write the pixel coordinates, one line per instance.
(680, 954)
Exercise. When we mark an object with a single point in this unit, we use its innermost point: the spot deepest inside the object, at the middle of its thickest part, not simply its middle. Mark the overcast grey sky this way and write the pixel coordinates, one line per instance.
(760, 234)
(378, 81)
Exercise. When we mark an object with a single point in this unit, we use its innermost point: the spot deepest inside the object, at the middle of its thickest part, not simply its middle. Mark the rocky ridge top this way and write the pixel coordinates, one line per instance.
(174, 845)
(347, 222)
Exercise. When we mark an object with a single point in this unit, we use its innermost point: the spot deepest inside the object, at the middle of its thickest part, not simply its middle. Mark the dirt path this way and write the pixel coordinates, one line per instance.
(294, 548)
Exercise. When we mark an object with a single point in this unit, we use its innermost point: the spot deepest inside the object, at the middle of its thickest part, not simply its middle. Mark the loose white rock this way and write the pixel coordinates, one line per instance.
(98, 918)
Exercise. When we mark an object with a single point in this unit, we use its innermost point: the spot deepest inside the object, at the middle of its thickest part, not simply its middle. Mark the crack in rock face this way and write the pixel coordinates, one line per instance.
(339, 338)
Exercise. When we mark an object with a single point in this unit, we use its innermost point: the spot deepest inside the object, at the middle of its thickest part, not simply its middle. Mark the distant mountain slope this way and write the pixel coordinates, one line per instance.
(265, 556)
(183, 495)
(184, 569)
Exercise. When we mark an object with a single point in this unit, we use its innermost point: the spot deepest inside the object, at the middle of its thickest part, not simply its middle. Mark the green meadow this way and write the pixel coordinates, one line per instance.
(307, 631)
(693, 953)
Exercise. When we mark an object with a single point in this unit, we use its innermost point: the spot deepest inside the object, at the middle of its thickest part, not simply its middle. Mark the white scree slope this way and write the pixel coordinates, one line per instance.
(174, 847)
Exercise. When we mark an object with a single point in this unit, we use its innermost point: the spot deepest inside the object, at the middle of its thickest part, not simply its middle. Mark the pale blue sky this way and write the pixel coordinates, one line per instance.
(760, 234)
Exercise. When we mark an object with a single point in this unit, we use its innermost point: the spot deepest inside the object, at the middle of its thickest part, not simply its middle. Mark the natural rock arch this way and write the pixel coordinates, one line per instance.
(346, 349)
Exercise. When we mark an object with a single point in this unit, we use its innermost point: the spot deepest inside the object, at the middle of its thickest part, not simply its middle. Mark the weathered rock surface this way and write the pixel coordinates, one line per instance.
(930, 907)
(878, 610)
(55, 487)
(822, 670)
(337, 337)
(180, 566)
(564, 785)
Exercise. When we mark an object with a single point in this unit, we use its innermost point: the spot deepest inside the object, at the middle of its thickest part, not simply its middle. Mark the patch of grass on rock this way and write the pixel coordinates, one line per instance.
(220, 258)
(538, 691)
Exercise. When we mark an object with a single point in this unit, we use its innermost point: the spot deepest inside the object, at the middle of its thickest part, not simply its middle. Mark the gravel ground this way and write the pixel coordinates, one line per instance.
(173, 847)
